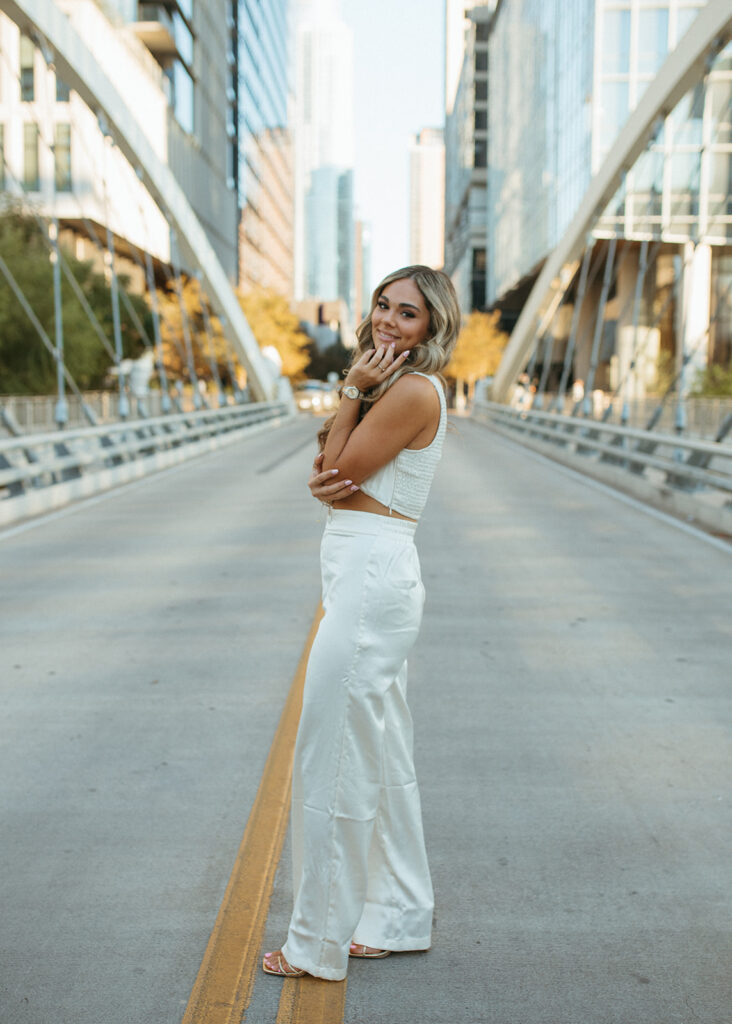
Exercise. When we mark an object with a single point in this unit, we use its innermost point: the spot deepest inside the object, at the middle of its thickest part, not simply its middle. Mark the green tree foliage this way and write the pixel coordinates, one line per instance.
(273, 323)
(715, 381)
(479, 348)
(26, 367)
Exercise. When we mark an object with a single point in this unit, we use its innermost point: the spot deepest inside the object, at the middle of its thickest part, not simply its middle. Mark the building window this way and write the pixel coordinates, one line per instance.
(2, 157)
(615, 42)
(478, 279)
(31, 181)
(481, 120)
(62, 156)
(27, 79)
(652, 40)
(481, 90)
(720, 185)
(721, 92)
(183, 39)
(62, 91)
(481, 60)
(614, 110)
(181, 95)
(480, 153)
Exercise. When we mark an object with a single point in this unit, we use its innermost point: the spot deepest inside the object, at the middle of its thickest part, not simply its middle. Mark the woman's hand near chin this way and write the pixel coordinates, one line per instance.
(324, 487)
(374, 367)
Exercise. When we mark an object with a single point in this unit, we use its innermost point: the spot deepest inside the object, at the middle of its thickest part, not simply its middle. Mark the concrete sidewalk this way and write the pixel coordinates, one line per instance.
(571, 697)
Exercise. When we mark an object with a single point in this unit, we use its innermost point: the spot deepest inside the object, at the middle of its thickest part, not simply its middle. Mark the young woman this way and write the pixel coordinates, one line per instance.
(361, 880)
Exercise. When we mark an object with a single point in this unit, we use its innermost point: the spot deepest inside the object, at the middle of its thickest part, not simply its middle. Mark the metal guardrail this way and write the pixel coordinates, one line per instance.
(43, 471)
(683, 463)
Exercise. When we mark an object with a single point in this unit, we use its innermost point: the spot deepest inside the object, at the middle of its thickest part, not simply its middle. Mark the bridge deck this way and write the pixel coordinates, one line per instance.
(571, 696)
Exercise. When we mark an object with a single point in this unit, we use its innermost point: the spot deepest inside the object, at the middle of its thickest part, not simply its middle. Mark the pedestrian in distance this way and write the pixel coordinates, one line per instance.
(362, 884)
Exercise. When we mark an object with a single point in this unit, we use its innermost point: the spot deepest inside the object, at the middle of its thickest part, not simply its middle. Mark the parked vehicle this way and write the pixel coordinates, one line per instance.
(316, 396)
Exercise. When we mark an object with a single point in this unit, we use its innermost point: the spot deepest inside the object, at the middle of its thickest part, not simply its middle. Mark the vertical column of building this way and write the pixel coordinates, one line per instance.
(427, 198)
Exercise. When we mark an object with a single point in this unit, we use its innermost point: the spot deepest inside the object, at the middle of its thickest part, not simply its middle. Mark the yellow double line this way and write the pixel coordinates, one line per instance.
(225, 981)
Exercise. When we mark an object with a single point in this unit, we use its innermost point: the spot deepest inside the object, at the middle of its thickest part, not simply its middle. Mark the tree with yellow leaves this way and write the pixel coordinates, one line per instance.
(175, 323)
(273, 323)
(478, 351)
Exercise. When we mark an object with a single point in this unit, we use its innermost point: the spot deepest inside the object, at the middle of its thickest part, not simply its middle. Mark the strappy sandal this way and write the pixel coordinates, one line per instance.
(284, 970)
(360, 952)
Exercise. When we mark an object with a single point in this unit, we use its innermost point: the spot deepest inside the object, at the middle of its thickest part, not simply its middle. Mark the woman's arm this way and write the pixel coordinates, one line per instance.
(325, 487)
(409, 408)
(374, 367)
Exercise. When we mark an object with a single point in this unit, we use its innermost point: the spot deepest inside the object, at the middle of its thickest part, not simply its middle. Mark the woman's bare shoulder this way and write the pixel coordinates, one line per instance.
(414, 387)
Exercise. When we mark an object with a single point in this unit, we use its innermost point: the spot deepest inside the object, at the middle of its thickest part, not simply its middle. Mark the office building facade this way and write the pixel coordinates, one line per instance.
(466, 152)
(261, 149)
(57, 153)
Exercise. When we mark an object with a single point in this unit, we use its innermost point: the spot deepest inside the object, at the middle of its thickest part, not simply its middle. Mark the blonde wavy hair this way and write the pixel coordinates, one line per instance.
(433, 354)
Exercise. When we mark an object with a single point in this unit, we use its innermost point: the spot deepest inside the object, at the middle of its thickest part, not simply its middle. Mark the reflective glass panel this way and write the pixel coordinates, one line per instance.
(687, 118)
(721, 93)
(62, 157)
(31, 182)
(652, 40)
(183, 97)
(183, 39)
(614, 110)
(684, 171)
(720, 185)
(615, 42)
(27, 56)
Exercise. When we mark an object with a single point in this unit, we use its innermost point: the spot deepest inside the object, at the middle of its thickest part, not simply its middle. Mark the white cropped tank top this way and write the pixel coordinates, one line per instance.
(403, 484)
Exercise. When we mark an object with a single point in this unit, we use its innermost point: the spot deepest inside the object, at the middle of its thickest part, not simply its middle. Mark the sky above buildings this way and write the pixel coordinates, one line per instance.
(398, 89)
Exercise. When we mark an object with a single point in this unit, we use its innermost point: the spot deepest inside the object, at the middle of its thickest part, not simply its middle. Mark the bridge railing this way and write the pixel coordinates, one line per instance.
(689, 476)
(40, 472)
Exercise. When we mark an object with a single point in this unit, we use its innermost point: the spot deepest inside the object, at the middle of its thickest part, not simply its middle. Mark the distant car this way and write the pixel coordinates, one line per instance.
(316, 396)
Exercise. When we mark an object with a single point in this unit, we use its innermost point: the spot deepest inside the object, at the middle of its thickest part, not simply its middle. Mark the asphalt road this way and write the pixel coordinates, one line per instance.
(571, 697)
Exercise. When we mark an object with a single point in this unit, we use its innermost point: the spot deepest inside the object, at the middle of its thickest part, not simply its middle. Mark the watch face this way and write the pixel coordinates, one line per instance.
(351, 391)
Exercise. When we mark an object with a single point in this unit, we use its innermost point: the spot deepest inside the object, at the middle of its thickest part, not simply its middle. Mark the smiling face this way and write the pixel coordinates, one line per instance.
(401, 316)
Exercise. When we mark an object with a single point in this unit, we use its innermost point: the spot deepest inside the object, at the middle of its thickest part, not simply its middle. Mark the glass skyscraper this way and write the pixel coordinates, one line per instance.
(325, 234)
(261, 156)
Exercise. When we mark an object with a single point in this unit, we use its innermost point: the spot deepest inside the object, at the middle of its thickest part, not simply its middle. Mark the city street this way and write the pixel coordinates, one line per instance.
(570, 691)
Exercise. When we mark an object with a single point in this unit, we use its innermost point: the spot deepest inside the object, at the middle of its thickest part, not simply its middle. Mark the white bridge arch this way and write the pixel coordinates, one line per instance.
(683, 68)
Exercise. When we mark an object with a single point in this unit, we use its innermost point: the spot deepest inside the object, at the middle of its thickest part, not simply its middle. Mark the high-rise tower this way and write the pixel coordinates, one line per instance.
(323, 153)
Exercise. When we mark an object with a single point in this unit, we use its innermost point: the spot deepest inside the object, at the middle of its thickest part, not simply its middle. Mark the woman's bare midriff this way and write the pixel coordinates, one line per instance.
(360, 502)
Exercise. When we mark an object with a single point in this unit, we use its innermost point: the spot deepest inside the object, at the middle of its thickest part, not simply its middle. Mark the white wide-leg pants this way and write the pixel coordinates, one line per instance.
(360, 866)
